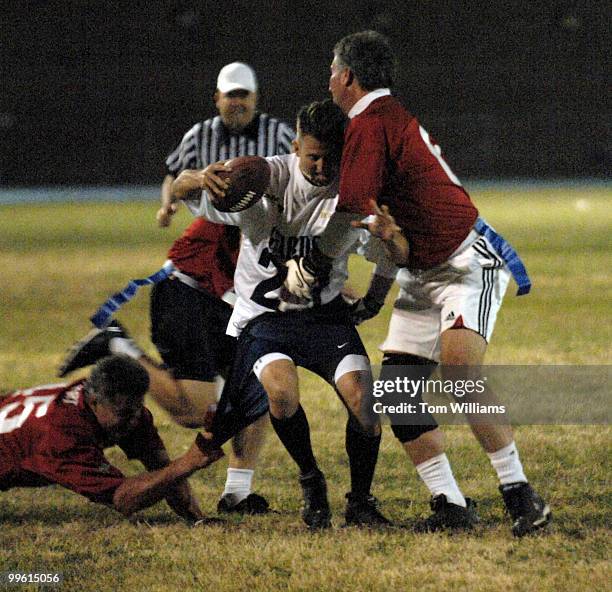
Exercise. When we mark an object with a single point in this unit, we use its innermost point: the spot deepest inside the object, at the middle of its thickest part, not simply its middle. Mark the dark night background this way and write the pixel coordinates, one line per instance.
(100, 92)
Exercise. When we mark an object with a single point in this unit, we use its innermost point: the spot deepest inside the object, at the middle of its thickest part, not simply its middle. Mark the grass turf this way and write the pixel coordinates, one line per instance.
(59, 263)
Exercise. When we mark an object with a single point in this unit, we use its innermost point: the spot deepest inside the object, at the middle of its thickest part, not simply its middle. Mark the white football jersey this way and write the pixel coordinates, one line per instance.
(273, 230)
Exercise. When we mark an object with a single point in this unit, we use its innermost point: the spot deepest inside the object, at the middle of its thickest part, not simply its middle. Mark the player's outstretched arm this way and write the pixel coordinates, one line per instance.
(180, 496)
(192, 181)
(142, 491)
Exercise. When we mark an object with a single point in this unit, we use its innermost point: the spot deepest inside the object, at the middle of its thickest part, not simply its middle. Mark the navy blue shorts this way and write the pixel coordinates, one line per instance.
(318, 340)
(315, 339)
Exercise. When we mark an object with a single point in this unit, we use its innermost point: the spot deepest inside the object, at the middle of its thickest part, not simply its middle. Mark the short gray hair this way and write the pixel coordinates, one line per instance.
(117, 376)
(369, 56)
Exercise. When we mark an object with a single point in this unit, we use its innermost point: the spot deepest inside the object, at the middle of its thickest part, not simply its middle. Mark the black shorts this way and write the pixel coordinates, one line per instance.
(188, 329)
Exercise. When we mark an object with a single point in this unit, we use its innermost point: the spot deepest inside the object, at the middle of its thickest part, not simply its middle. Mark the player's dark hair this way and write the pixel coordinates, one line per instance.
(324, 121)
(117, 376)
(369, 56)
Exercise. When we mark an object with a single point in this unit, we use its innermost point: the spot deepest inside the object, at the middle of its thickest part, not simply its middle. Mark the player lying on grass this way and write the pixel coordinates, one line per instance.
(57, 434)
(454, 275)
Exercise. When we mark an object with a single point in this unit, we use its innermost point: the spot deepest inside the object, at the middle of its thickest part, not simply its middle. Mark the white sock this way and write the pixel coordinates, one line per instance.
(238, 483)
(122, 345)
(507, 464)
(438, 476)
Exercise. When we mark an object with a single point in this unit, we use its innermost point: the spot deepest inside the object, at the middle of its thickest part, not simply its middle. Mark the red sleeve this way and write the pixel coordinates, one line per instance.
(80, 467)
(143, 439)
(363, 170)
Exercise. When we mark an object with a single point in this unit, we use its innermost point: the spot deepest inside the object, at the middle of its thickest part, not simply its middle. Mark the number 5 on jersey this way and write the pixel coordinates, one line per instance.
(40, 403)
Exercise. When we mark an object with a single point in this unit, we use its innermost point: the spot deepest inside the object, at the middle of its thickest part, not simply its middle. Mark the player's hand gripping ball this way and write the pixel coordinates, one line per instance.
(248, 181)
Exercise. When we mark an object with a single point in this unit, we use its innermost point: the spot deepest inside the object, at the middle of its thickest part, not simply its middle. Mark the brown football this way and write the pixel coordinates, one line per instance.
(248, 181)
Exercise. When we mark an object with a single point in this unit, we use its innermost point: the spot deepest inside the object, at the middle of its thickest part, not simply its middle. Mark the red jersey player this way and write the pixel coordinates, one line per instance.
(455, 270)
(57, 434)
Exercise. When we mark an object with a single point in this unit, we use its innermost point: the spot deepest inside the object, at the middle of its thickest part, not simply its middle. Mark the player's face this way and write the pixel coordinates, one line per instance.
(118, 419)
(237, 108)
(337, 88)
(318, 164)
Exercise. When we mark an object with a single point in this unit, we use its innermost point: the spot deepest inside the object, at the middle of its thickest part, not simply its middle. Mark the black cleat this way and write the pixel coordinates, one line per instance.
(251, 504)
(447, 516)
(316, 513)
(362, 510)
(91, 348)
(529, 512)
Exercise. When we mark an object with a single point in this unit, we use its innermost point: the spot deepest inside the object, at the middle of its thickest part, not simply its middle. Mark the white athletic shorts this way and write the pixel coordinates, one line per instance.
(465, 291)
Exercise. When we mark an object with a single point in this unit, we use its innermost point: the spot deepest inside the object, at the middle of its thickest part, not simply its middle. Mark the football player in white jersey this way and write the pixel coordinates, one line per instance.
(317, 335)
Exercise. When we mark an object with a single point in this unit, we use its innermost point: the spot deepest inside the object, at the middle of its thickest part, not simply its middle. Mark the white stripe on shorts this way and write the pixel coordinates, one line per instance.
(352, 363)
(484, 305)
(262, 362)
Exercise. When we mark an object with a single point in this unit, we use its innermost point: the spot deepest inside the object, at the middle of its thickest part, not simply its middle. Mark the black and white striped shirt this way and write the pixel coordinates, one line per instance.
(210, 141)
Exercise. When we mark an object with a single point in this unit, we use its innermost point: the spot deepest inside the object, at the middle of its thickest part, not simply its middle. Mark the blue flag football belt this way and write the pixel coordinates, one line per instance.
(104, 314)
(505, 250)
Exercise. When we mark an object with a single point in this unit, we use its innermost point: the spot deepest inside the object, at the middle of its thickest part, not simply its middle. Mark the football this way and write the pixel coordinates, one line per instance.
(248, 181)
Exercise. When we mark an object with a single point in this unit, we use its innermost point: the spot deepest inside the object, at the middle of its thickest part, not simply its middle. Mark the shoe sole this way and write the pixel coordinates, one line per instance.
(537, 524)
(467, 526)
(243, 512)
(424, 529)
(76, 350)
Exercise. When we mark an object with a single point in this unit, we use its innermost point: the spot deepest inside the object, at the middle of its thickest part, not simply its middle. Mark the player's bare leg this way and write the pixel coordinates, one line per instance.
(280, 380)
(355, 389)
(466, 349)
(462, 354)
(190, 403)
(247, 445)
(425, 447)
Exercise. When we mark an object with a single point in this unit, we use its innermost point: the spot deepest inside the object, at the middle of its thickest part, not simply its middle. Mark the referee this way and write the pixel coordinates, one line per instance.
(238, 130)
(188, 312)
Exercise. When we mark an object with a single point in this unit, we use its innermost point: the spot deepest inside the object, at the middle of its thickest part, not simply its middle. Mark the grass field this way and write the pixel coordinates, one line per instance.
(60, 261)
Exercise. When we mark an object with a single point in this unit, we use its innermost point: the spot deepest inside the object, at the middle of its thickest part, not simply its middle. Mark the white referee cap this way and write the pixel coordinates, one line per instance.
(236, 76)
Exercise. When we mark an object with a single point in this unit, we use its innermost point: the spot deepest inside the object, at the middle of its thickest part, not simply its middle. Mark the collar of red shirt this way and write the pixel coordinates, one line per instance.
(364, 102)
